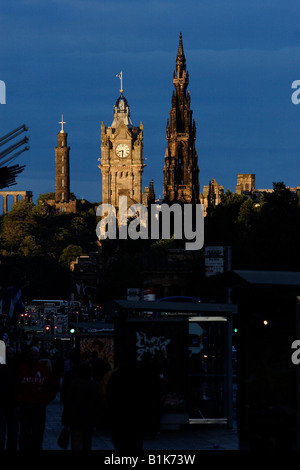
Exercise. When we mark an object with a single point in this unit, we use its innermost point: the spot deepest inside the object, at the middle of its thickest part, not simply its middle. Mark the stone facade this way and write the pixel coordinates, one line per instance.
(26, 196)
(121, 157)
(181, 172)
(245, 183)
(149, 194)
(62, 169)
(62, 202)
(60, 207)
(211, 195)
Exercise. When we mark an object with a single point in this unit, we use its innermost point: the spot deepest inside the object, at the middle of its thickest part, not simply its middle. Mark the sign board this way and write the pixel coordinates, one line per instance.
(2, 352)
(214, 251)
(214, 260)
(133, 294)
(102, 343)
(60, 324)
(149, 294)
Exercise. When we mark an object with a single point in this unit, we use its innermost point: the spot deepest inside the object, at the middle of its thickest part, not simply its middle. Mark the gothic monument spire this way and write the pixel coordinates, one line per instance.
(181, 172)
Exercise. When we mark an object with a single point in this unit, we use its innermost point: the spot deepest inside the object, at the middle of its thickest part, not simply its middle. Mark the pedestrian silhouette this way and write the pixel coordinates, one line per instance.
(100, 367)
(127, 401)
(82, 408)
(8, 407)
(70, 374)
(153, 394)
(35, 389)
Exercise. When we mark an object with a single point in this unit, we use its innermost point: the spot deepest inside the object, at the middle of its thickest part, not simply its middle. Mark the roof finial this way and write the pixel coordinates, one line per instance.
(62, 122)
(180, 37)
(180, 48)
(120, 75)
(180, 60)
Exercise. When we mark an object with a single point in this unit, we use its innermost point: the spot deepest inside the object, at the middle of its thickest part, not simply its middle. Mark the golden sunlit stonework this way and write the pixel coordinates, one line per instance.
(121, 157)
(181, 172)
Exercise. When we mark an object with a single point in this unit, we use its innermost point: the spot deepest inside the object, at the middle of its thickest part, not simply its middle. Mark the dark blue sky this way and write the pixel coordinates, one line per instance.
(62, 57)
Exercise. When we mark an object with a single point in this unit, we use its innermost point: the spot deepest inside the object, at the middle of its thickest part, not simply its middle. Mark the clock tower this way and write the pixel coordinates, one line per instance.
(121, 156)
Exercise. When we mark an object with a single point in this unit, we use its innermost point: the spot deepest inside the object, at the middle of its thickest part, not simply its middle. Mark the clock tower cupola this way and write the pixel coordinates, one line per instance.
(121, 155)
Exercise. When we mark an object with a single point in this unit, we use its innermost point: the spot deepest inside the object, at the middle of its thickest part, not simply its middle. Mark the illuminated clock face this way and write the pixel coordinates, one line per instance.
(122, 150)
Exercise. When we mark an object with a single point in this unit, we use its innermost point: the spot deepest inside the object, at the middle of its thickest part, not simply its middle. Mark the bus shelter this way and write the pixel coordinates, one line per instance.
(192, 342)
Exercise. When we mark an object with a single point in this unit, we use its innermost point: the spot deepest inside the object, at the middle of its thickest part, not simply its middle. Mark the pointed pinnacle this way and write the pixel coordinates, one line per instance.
(180, 60)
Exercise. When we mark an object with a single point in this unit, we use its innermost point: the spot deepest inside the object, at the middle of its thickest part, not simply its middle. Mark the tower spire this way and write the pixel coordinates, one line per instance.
(62, 166)
(180, 60)
(62, 122)
(181, 183)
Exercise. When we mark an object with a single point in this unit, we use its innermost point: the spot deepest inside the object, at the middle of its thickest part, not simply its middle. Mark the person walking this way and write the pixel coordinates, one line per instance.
(35, 389)
(8, 407)
(127, 395)
(82, 407)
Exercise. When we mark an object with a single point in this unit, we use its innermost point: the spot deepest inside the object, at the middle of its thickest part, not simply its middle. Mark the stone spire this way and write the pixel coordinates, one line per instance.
(180, 60)
(181, 171)
(62, 166)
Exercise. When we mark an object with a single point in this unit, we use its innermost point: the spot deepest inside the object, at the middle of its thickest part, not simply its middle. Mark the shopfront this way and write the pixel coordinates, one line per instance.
(192, 346)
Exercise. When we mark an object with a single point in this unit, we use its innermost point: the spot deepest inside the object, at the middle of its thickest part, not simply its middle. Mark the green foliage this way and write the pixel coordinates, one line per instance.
(263, 234)
(30, 247)
(247, 215)
(29, 238)
(45, 196)
(160, 247)
(18, 224)
(220, 224)
(69, 253)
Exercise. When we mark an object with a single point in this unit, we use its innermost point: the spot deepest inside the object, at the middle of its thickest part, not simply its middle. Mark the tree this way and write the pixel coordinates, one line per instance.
(30, 247)
(220, 223)
(20, 222)
(45, 197)
(247, 215)
(70, 253)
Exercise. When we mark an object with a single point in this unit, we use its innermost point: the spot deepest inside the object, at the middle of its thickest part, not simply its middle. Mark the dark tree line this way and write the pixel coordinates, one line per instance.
(38, 248)
(264, 233)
